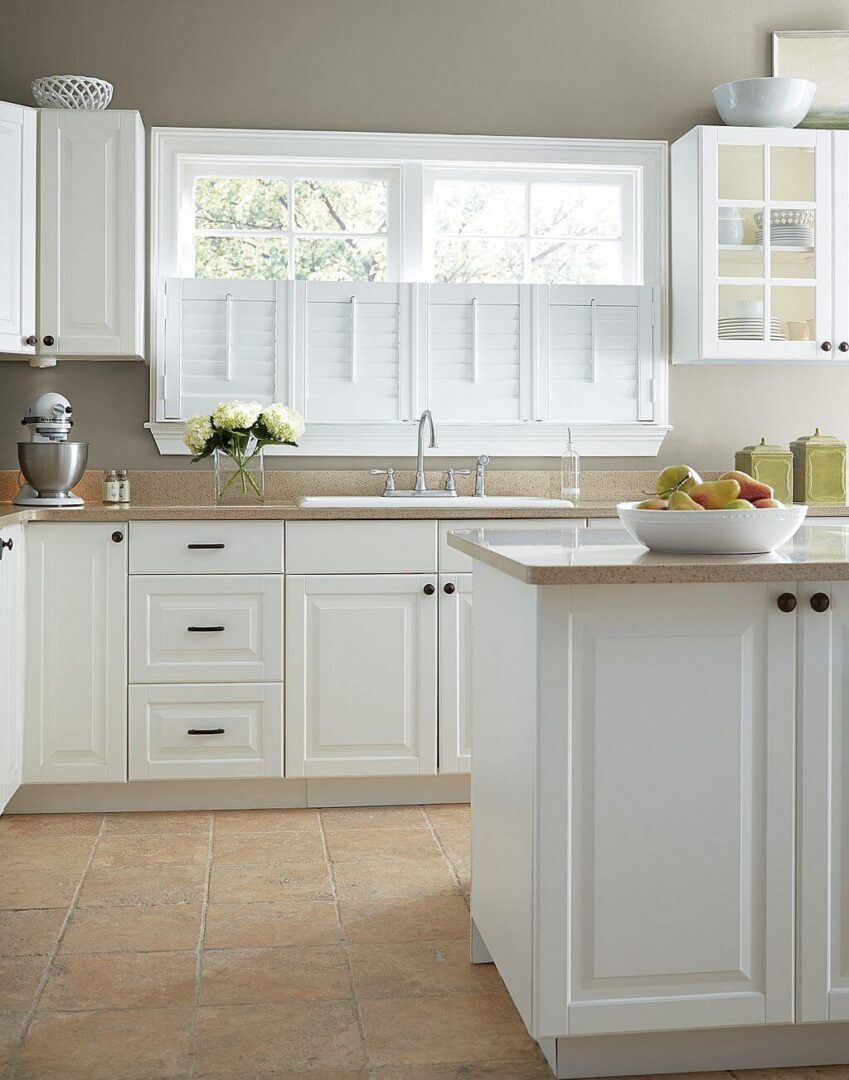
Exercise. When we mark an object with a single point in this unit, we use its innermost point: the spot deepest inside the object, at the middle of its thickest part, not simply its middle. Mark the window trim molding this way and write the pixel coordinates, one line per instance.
(414, 154)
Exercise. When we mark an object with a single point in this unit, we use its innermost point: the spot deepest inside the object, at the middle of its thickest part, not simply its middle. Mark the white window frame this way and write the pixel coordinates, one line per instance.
(411, 162)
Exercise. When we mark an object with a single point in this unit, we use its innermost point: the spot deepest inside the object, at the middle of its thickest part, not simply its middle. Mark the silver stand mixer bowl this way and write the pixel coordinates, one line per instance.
(51, 470)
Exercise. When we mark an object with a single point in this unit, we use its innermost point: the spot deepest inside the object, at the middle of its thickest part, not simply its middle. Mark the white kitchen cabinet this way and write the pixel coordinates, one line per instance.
(455, 684)
(748, 285)
(91, 257)
(361, 661)
(11, 660)
(76, 670)
(17, 229)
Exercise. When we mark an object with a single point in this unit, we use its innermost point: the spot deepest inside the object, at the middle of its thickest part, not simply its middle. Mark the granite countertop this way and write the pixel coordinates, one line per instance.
(610, 557)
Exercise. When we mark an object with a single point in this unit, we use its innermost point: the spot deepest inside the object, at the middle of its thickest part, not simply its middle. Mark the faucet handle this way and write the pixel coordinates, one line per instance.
(450, 473)
(389, 473)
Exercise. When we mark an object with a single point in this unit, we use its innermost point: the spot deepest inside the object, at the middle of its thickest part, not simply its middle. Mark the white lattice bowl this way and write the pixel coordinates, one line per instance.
(71, 92)
(712, 532)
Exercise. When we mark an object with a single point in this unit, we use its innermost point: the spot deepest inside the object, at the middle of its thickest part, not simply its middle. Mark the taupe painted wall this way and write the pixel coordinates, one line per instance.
(592, 68)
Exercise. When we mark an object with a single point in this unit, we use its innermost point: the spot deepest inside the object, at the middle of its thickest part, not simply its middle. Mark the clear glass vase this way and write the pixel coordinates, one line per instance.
(240, 475)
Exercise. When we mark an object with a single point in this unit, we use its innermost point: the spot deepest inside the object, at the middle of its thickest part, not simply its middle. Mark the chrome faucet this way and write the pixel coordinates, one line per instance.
(426, 417)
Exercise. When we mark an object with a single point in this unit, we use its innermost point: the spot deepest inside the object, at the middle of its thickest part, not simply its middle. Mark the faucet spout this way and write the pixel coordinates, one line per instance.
(425, 419)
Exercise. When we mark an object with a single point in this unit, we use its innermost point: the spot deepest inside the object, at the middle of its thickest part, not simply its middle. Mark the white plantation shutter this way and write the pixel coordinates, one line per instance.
(599, 353)
(223, 340)
(354, 347)
(477, 344)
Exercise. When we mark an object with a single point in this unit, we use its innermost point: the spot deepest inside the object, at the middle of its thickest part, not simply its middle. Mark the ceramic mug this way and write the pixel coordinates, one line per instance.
(799, 331)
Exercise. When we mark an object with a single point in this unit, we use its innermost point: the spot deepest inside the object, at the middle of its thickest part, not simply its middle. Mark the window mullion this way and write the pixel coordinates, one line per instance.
(527, 267)
(290, 262)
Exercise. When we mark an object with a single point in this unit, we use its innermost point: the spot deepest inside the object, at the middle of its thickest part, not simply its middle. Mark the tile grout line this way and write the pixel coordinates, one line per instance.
(368, 1068)
(14, 1057)
(454, 875)
(204, 904)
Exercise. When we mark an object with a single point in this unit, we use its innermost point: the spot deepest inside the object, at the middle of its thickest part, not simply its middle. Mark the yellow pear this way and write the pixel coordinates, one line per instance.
(739, 504)
(676, 478)
(680, 500)
(715, 494)
(653, 504)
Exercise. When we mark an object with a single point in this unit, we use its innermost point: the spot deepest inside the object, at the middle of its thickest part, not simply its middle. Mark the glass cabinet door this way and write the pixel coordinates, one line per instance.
(767, 244)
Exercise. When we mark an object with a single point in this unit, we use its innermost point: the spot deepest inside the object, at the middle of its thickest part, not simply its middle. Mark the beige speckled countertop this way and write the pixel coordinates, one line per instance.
(610, 557)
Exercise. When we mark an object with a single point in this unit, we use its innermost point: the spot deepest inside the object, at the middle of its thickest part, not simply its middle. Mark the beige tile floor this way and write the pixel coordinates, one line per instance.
(251, 945)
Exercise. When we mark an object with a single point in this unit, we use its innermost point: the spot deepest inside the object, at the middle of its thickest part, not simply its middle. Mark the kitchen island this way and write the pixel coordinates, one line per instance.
(660, 839)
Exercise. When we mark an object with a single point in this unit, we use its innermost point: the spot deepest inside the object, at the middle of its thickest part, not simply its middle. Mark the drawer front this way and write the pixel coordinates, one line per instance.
(206, 547)
(452, 561)
(206, 629)
(361, 547)
(206, 731)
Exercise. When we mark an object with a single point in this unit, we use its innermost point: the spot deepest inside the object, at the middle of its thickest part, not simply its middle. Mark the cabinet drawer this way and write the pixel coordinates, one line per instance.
(361, 547)
(206, 547)
(452, 561)
(206, 629)
(206, 731)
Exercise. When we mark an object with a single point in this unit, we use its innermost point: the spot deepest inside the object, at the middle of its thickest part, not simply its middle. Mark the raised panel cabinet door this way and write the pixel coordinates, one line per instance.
(91, 272)
(823, 858)
(674, 717)
(76, 684)
(361, 675)
(12, 652)
(17, 228)
(455, 671)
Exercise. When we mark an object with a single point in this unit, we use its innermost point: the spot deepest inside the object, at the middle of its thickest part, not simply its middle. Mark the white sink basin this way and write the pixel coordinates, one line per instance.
(400, 502)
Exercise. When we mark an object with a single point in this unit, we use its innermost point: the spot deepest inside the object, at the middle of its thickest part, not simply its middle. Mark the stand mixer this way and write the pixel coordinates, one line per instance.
(50, 464)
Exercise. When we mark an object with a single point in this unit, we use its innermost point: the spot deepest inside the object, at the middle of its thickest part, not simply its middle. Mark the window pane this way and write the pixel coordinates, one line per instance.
(241, 257)
(479, 208)
(340, 260)
(478, 261)
(240, 202)
(341, 206)
(576, 210)
(565, 262)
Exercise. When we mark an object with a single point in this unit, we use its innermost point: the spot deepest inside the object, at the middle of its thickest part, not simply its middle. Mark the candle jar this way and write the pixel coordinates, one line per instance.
(771, 465)
(819, 469)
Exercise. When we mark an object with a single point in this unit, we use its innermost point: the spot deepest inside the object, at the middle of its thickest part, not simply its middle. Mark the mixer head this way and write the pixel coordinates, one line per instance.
(48, 417)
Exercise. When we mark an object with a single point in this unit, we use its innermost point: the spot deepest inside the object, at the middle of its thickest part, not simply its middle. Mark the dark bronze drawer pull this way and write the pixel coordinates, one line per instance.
(205, 547)
(205, 629)
(205, 731)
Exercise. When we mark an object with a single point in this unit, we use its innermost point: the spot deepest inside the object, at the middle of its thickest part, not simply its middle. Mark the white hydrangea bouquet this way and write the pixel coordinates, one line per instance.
(238, 431)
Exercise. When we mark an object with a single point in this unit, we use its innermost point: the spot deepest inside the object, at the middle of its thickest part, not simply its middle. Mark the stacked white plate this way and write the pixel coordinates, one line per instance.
(750, 328)
(788, 236)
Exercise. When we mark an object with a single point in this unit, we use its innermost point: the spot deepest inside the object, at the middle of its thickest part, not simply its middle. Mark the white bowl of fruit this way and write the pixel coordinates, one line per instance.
(734, 515)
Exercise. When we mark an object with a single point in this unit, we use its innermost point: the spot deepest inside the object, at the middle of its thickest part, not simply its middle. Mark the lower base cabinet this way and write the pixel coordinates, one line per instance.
(361, 662)
(455, 685)
(12, 627)
(206, 731)
(76, 669)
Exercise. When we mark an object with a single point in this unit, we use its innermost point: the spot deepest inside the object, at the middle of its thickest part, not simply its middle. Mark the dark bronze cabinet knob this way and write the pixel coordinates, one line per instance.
(117, 537)
(31, 340)
(826, 346)
(449, 587)
(49, 340)
(429, 590)
(787, 602)
(820, 601)
(844, 346)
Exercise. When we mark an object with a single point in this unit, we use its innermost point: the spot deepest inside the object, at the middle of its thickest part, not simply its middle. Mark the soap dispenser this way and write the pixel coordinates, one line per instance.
(570, 471)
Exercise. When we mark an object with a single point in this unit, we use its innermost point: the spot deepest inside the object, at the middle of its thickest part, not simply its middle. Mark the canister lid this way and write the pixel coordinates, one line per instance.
(763, 448)
(817, 440)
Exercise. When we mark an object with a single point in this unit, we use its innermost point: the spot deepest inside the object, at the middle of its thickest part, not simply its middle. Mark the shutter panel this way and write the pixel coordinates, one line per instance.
(600, 351)
(478, 349)
(223, 340)
(355, 341)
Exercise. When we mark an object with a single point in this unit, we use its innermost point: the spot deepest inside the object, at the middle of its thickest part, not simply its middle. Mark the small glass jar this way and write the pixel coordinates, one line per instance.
(123, 486)
(570, 471)
(111, 486)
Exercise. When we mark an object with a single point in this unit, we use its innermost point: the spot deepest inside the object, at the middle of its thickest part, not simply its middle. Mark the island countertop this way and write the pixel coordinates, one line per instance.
(559, 556)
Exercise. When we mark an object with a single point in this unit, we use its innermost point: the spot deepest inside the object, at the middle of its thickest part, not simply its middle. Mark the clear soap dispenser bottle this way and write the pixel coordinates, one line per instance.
(570, 471)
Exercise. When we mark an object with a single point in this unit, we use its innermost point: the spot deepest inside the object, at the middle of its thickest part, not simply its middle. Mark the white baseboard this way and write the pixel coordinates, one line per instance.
(237, 794)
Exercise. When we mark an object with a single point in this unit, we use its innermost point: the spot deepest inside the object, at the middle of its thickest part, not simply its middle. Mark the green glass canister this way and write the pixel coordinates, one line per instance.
(771, 465)
(819, 470)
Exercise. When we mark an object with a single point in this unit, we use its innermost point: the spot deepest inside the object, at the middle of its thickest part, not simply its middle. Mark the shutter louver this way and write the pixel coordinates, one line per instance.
(221, 342)
(599, 353)
(478, 340)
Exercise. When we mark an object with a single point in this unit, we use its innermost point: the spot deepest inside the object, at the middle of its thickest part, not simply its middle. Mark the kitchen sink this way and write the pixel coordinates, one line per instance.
(400, 502)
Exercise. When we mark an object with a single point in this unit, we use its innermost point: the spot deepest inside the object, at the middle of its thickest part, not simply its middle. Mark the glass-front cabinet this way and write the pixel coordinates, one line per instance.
(753, 246)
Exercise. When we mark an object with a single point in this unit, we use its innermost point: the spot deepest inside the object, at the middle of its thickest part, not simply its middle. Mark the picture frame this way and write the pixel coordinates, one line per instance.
(822, 56)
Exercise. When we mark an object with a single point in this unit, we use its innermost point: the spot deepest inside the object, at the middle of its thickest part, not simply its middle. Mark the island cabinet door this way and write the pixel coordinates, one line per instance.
(361, 674)
(823, 858)
(667, 856)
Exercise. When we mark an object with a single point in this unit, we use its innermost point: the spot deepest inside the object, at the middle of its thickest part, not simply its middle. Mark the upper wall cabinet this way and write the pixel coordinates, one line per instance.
(17, 228)
(87, 193)
(756, 250)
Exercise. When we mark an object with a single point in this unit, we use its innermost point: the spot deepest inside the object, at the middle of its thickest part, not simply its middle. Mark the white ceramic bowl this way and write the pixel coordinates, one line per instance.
(712, 532)
(774, 102)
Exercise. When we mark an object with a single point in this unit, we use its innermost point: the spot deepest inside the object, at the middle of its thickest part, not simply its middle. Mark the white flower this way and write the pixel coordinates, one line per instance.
(230, 415)
(197, 433)
(283, 424)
